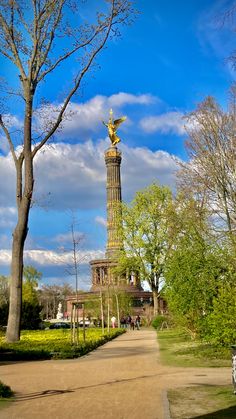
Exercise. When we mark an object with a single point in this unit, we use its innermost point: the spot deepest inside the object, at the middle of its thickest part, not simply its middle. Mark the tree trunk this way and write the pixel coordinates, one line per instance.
(102, 311)
(117, 309)
(23, 200)
(19, 236)
(155, 294)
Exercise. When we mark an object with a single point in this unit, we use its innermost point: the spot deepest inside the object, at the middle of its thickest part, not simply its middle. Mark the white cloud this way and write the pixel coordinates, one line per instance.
(121, 99)
(75, 175)
(51, 257)
(170, 122)
(141, 167)
(88, 116)
(12, 121)
(101, 220)
(5, 257)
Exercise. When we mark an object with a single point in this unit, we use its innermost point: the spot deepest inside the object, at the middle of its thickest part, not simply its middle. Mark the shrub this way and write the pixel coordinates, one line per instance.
(221, 322)
(4, 314)
(53, 344)
(30, 316)
(5, 391)
(159, 320)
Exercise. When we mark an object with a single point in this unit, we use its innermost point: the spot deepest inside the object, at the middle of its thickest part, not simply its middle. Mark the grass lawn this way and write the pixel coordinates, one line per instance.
(203, 402)
(4, 403)
(53, 344)
(198, 402)
(177, 349)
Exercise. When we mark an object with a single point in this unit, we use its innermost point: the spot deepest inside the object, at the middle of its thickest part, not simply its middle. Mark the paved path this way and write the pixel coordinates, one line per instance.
(122, 379)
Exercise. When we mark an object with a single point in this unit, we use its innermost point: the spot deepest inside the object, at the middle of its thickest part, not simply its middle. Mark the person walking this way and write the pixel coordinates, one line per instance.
(128, 321)
(123, 322)
(137, 322)
(113, 322)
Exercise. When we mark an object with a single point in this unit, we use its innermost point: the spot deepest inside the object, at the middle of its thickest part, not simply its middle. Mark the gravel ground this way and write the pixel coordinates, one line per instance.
(122, 379)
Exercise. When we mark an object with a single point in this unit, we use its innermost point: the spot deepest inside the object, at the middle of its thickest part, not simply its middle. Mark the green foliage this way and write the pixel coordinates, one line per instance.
(193, 270)
(221, 322)
(177, 349)
(124, 302)
(93, 307)
(5, 391)
(53, 344)
(159, 320)
(30, 283)
(191, 281)
(30, 318)
(147, 233)
(4, 314)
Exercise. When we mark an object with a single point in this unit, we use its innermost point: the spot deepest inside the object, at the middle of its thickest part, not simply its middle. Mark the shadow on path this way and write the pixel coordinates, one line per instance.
(48, 393)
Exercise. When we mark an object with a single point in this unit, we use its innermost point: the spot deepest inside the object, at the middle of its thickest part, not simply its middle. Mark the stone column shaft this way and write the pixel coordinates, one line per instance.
(113, 162)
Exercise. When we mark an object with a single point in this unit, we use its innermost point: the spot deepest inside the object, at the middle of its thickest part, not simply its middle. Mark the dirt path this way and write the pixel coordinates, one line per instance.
(122, 379)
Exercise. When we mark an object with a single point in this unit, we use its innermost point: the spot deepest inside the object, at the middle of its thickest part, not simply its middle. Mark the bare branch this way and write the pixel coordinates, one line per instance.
(9, 37)
(8, 136)
(74, 89)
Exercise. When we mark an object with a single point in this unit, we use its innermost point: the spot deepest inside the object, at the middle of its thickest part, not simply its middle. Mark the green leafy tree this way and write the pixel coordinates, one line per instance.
(147, 234)
(30, 284)
(30, 318)
(193, 270)
(221, 322)
(31, 33)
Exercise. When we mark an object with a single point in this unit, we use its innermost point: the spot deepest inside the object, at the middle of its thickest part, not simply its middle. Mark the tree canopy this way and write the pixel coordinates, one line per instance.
(147, 234)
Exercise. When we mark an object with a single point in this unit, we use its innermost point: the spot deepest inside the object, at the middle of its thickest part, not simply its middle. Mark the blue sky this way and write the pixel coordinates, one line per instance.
(173, 56)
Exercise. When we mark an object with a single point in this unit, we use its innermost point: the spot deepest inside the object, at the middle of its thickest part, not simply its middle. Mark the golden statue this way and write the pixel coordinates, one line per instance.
(112, 127)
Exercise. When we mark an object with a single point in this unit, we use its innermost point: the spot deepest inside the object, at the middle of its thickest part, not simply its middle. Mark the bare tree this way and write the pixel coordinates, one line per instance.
(30, 37)
(50, 296)
(73, 269)
(211, 171)
(228, 20)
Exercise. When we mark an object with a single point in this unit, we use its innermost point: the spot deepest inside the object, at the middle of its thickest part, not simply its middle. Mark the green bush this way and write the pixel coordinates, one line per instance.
(5, 391)
(221, 322)
(159, 320)
(53, 344)
(30, 318)
(4, 314)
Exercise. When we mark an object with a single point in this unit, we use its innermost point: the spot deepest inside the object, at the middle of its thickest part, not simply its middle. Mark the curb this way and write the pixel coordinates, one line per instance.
(166, 405)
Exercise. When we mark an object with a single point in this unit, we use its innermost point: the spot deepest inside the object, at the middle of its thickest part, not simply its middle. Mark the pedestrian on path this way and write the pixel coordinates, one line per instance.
(128, 321)
(113, 322)
(137, 322)
(123, 322)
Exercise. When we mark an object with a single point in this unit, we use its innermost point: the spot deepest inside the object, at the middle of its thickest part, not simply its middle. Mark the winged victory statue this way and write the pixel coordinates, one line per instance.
(112, 126)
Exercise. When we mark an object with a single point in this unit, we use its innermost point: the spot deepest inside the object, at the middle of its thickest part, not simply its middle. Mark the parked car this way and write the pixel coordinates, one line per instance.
(59, 325)
(86, 323)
